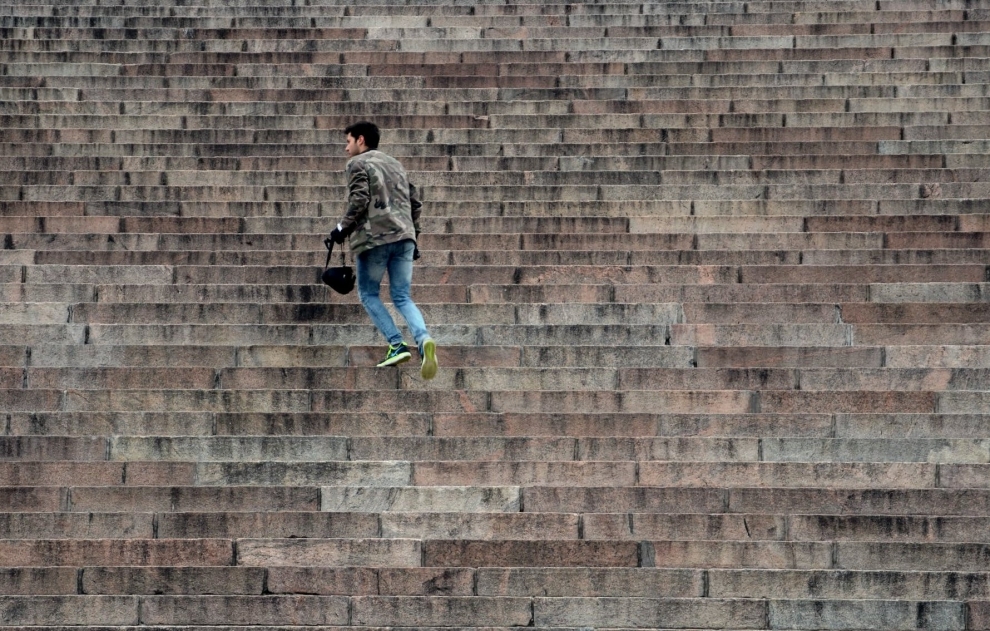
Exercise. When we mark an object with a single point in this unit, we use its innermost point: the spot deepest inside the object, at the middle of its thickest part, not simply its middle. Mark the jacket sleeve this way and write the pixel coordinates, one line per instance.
(358, 197)
(415, 205)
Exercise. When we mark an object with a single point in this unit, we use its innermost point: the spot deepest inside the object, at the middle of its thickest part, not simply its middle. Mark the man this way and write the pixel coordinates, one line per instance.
(382, 222)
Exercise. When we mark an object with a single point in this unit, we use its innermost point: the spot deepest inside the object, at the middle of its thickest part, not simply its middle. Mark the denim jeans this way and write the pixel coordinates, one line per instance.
(397, 260)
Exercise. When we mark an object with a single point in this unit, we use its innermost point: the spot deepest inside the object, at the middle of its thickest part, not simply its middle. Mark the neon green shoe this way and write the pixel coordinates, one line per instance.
(429, 368)
(396, 355)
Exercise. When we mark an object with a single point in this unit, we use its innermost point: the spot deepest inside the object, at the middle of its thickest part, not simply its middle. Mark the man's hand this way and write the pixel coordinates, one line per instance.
(337, 236)
(416, 253)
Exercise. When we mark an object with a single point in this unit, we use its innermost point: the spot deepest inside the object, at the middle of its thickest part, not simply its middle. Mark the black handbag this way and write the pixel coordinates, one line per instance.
(340, 279)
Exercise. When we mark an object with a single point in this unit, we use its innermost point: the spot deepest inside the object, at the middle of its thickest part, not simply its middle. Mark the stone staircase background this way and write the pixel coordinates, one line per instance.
(710, 281)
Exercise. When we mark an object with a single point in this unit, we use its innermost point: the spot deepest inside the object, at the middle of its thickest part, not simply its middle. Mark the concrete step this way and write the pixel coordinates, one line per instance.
(487, 448)
(545, 401)
(494, 582)
(822, 425)
(489, 377)
(584, 192)
(439, 181)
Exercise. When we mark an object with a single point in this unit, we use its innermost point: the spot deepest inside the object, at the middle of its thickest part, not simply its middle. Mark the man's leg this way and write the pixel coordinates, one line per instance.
(371, 267)
(400, 266)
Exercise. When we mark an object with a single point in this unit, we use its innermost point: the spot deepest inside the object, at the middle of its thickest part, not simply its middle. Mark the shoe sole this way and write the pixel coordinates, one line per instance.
(398, 359)
(429, 368)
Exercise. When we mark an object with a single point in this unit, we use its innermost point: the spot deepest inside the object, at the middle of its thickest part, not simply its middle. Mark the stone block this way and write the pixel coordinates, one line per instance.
(191, 499)
(523, 473)
(770, 335)
(951, 557)
(300, 523)
(537, 424)
(60, 474)
(637, 401)
(964, 476)
(326, 424)
(186, 400)
(17, 400)
(954, 502)
(748, 425)
(52, 448)
(54, 525)
(432, 499)
(34, 313)
(845, 585)
(789, 474)
(974, 402)
(229, 449)
(714, 527)
(638, 500)
(303, 473)
(119, 552)
(440, 611)
(900, 528)
(540, 553)
(329, 552)
(978, 614)
(677, 448)
(172, 580)
(462, 449)
(876, 450)
(775, 356)
(780, 402)
(69, 610)
(426, 582)
(130, 378)
(38, 581)
(866, 614)
(910, 425)
(650, 613)
(587, 582)
(122, 423)
(480, 526)
(733, 554)
(243, 610)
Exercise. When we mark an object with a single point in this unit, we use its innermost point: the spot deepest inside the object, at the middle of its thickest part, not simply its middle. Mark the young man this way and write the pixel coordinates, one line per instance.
(382, 221)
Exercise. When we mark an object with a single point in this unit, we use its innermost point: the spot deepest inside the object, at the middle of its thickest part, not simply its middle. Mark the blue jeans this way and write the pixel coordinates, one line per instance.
(397, 260)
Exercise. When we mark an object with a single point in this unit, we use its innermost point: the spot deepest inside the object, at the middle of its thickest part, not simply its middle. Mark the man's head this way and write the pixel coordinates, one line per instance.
(361, 137)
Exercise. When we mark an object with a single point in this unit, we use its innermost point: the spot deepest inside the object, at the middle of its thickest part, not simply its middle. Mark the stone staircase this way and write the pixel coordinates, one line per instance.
(711, 282)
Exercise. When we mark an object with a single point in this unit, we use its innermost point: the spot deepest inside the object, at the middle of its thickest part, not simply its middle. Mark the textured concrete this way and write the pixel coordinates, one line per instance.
(709, 282)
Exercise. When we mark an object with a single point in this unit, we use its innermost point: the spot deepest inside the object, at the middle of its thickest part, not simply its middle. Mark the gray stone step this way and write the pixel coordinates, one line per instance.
(586, 192)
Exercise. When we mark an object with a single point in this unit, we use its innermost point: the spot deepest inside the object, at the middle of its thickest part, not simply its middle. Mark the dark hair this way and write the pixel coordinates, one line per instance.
(366, 129)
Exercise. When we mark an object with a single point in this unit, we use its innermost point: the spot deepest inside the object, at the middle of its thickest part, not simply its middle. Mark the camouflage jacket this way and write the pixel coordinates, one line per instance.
(382, 206)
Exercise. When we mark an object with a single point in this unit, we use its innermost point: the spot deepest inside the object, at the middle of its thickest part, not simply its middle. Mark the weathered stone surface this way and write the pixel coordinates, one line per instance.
(329, 552)
(34, 581)
(480, 526)
(647, 612)
(245, 610)
(709, 283)
(286, 523)
(441, 611)
(540, 553)
(866, 614)
(69, 610)
(172, 580)
(80, 553)
(431, 499)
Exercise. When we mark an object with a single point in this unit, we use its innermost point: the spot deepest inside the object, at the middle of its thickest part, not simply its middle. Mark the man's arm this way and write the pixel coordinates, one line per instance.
(358, 197)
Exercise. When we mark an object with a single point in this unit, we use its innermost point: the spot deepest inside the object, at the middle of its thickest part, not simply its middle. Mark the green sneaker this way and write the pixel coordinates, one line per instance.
(396, 355)
(429, 368)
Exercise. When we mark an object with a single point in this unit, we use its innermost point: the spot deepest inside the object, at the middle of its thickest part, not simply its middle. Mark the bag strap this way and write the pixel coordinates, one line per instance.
(343, 253)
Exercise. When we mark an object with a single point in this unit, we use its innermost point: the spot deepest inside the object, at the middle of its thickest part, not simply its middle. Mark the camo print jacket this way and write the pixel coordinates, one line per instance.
(382, 206)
